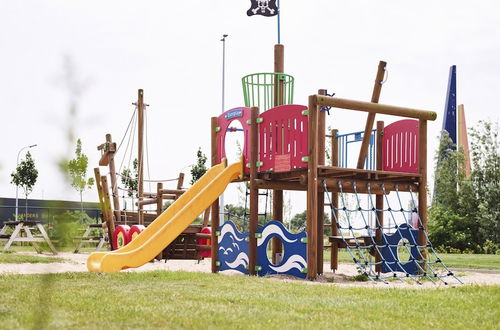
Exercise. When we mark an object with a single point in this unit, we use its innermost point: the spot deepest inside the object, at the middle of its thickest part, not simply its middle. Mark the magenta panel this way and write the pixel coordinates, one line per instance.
(283, 136)
(400, 147)
(242, 115)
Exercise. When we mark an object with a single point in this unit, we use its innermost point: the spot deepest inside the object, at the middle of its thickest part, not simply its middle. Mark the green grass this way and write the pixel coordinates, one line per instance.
(13, 258)
(471, 261)
(209, 301)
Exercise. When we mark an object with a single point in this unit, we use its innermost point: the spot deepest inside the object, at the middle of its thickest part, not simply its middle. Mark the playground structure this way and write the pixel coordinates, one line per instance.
(123, 225)
(284, 149)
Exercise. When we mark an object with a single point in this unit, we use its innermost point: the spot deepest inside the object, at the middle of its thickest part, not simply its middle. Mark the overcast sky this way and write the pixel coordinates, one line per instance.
(172, 50)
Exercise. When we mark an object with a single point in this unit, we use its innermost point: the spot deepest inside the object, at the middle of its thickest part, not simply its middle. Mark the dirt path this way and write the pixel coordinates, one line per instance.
(77, 263)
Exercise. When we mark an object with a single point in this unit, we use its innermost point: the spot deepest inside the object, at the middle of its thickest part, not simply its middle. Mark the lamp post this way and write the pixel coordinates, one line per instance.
(17, 187)
(224, 36)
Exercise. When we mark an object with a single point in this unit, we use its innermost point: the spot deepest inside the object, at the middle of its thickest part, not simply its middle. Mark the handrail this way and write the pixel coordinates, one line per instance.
(370, 107)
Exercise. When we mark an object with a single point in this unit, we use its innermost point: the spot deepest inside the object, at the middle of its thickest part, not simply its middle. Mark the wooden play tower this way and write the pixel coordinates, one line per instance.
(285, 150)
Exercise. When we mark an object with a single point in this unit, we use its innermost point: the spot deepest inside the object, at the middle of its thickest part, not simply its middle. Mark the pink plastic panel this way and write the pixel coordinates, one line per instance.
(224, 121)
(400, 149)
(283, 138)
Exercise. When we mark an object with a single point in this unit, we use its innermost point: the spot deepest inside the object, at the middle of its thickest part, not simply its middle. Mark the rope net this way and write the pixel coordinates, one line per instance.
(400, 256)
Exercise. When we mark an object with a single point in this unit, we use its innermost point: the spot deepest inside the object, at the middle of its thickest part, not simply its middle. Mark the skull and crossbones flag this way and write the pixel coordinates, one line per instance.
(263, 7)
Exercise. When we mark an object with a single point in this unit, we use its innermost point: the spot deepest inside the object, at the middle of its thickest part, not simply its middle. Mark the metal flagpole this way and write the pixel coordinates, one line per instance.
(279, 27)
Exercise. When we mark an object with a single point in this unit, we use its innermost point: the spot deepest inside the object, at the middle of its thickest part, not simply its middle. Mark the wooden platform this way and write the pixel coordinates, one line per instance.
(340, 179)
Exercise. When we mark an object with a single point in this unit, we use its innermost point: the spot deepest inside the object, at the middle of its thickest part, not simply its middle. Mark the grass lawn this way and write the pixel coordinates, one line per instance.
(201, 301)
(472, 261)
(14, 258)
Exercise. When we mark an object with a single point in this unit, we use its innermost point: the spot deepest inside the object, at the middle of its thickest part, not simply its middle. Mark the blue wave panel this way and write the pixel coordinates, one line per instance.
(232, 248)
(390, 253)
(294, 251)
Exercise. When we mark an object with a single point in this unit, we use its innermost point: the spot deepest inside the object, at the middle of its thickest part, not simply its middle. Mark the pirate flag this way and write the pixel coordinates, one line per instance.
(263, 7)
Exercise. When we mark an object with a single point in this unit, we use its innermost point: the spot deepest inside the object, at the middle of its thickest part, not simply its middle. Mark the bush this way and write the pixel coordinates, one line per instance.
(67, 226)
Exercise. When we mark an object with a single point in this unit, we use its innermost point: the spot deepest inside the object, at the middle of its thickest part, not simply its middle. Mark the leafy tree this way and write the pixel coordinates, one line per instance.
(76, 169)
(199, 168)
(25, 176)
(465, 213)
(130, 178)
(485, 178)
(236, 214)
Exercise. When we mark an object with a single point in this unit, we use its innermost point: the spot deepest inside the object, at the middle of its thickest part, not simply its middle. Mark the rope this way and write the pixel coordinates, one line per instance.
(147, 150)
(424, 268)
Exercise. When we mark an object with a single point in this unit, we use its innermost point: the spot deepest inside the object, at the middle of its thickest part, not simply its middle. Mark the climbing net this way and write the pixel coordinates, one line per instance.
(357, 220)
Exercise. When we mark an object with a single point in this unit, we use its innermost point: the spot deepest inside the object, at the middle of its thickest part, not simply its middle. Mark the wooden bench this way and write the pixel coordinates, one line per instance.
(25, 226)
(100, 240)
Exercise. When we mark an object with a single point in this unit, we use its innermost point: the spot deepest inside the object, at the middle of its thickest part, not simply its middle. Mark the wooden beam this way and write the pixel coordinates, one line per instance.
(362, 186)
(279, 67)
(277, 247)
(377, 88)
(334, 252)
(215, 205)
(254, 192)
(422, 190)
(321, 195)
(107, 206)
(140, 152)
(312, 190)
(392, 110)
(280, 185)
(379, 198)
(180, 181)
(173, 191)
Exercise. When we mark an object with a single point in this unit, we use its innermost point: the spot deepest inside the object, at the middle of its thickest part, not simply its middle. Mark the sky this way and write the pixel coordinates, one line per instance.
(172, 50)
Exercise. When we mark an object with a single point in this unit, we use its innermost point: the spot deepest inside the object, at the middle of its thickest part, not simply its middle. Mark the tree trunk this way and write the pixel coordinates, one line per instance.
(81, 206)
(26, 207)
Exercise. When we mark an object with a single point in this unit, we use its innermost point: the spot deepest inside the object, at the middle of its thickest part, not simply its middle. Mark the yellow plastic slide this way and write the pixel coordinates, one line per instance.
(170, 224)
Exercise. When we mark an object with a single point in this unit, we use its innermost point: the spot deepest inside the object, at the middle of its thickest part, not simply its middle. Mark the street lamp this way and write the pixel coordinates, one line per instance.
(17, 187)
(224, 36)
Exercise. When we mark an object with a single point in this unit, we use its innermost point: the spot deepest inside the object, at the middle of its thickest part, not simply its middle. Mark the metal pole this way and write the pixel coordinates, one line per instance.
(224, 36)
(279, 25)
(17, 187)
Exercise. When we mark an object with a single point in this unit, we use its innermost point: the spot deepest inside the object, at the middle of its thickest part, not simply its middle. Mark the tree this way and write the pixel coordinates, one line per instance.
(130, 179)
(199, 168)
(76, 169)
(485, 178)
(465, 213)
(25, 176)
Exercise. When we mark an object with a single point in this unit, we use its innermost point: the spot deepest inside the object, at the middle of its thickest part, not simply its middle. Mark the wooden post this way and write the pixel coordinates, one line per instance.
(215, 205)
(254, 192)
(140, 154)
(278, 216)
(279, 99)
(321, 194)
(159, 210)
(379, 198)
(180, 181)
(159, 199)
(377, 88)
(107, 206)
(422, 185)
(112, 175)
(279, 67)
(312, 190)
(102, 204)
(334, 252)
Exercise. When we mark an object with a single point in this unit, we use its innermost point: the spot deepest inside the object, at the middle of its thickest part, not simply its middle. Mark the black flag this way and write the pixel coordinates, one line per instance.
(263, 7)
